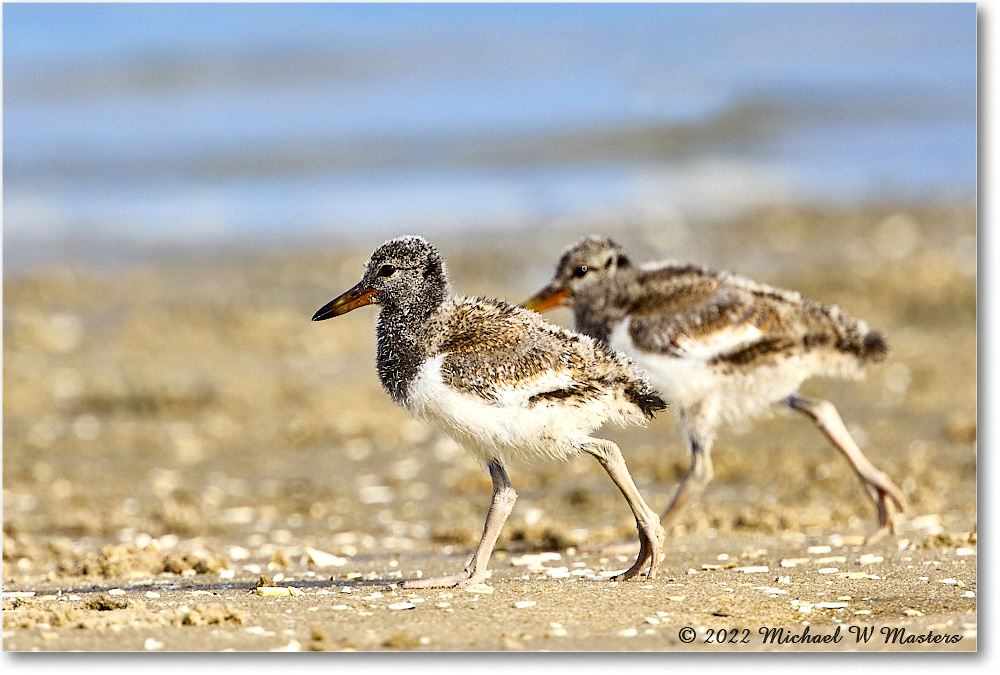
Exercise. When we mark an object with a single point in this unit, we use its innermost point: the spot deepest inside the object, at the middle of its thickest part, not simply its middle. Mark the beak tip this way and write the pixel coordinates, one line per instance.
(356, 297)
(546, 299)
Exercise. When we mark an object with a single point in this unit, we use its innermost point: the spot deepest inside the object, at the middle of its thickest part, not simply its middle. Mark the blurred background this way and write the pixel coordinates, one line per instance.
(185, 184)
(174, 123)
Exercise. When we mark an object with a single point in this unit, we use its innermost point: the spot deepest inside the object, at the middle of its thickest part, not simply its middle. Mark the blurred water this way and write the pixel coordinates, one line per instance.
(189, 123)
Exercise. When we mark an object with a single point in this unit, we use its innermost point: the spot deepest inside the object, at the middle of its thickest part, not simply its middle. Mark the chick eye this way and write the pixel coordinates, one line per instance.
(580, 271)
(386, 271)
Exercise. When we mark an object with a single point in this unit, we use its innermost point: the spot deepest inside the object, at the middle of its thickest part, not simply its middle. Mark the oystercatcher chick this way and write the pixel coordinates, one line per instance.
(719, 347)
(502, 382)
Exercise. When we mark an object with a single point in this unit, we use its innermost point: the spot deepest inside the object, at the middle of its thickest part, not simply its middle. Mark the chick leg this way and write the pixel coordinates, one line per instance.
(501, 505)
(883, 493)
(650, 533)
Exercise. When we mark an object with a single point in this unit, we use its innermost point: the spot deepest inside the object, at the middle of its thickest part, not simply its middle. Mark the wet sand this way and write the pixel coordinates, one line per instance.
(175, 429)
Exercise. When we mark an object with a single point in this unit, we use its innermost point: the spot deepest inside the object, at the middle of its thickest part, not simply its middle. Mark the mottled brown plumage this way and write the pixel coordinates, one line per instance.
(489, 345)
(719, 347)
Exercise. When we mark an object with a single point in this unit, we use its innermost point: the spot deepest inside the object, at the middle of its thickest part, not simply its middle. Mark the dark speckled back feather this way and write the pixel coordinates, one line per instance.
(691, 303)
(489, 344)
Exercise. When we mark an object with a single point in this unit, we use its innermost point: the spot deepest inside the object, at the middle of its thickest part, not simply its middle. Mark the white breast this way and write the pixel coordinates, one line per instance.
(509, 428)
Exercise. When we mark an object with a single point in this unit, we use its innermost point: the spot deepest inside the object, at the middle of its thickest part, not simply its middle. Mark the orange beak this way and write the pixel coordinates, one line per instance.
(359, 296)
(547, 298)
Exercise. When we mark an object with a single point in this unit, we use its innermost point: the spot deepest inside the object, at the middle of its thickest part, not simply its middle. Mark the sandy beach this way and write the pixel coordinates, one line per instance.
(175, 429)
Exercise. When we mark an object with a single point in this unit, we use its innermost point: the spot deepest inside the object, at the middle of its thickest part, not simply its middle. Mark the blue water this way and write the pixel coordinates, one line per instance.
(181, 122)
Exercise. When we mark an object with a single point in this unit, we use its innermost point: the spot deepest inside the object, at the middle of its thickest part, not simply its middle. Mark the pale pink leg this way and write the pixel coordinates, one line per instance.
(883, 493)
(697, 479)
(650, 533)
(501, 505)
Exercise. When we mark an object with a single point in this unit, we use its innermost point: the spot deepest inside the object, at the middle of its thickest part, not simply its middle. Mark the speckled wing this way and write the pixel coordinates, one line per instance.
(725, 318)
(512, 357)
(733, 325)
(508, 355)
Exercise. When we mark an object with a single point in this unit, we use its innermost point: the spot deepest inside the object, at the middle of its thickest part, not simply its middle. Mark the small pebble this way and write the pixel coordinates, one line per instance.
(535, 559)
(151, 645)
(869, 559)
(965, 551)
(753, 569)
(116, 591)
(152, 594)
(968, 594)
(292, 646)
(814, 550)
(628, 632)
(792, 562)
(524, 604)
(912, 612)
(479, 588)
(402, 605)
(653, 620)
(827, 570)
(324, 559)
(831, 605)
